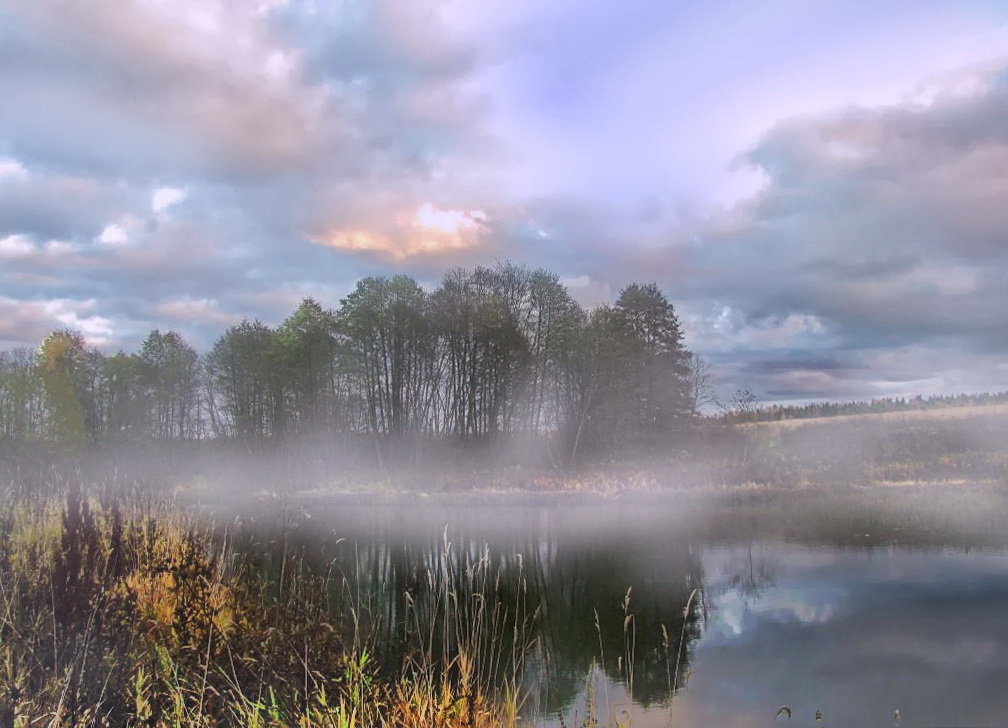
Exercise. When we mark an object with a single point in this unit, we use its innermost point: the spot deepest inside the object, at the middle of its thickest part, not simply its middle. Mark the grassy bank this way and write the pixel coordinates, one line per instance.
(118, 613)
(961, 445)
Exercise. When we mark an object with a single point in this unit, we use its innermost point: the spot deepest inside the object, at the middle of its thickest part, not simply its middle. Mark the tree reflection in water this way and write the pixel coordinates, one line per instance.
(560, 604)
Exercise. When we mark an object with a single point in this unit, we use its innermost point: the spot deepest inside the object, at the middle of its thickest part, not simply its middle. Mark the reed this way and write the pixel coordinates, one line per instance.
(120, 613)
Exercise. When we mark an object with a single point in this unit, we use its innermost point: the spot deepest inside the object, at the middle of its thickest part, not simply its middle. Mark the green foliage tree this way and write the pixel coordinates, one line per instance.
(392, 353)
(653, 361)
(123, 398)
(492, 353)
(310, 355)
(65, 366)
(170, 372)
(481, 318)
(594, 384)
(244, 397)
(555, 323)
(22, 396)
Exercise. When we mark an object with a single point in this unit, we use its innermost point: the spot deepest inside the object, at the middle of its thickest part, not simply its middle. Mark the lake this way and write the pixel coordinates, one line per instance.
(675, 611)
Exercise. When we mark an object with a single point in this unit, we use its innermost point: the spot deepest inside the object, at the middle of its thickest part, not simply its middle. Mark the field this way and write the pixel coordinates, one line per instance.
(899, 417)
(950, 445)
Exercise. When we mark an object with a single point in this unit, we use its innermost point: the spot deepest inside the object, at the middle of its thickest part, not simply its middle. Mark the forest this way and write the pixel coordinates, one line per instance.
(745, 410)
(501, 354)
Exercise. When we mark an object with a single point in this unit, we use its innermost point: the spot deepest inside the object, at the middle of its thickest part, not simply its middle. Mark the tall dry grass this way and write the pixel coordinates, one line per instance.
(119, 612)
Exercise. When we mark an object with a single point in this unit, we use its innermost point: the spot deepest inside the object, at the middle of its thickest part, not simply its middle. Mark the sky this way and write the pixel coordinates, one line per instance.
(819, 186)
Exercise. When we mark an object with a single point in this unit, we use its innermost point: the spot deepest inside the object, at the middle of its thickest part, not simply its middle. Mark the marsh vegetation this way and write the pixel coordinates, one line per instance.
(116, 613)
(120, 608)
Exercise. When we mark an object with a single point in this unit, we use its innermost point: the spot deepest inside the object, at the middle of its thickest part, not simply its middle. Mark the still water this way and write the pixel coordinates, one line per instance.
(660, 615)
(856, 633)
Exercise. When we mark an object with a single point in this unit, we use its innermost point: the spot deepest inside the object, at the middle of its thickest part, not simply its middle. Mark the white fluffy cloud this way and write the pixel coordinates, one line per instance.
(424, 231)
(165, 197)
(28, 321)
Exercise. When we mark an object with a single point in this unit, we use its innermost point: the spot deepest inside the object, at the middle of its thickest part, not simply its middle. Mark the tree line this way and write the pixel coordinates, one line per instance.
(744, 409)
(492, 354)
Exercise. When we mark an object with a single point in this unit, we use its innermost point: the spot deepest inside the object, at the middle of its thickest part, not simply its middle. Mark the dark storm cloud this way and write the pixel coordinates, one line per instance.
(879, 240)
(770, 366)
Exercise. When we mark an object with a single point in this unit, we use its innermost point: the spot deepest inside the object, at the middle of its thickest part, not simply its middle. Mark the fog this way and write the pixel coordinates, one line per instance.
(700, 573)
(947, 445)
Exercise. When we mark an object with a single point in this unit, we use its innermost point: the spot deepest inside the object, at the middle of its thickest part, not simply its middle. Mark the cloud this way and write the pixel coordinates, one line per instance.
(11, 168)
(195, 310)
(126, 229)
(277, 123)
(426, 231)
(217, 158)
(16, 246)
(165, 197)
(180, 86)
(29, 321)
(877, 229)
(20, 254)
(49, 204)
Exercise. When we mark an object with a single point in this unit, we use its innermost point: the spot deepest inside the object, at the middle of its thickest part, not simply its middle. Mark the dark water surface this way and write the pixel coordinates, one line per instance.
(668, 613)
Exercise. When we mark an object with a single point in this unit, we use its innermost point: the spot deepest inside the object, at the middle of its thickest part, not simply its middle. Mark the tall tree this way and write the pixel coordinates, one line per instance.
(65, 364)
(651, 394)
(22, 396)
(595, 388)
(244, 393)
(171, 374)
(481, 319)
(699, 388)
(389, 337)
(125, 400)
(555, 323)
(656, 362)
(310, 356)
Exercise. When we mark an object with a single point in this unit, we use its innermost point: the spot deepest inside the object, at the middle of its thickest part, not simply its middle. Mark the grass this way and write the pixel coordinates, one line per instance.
(135, 615)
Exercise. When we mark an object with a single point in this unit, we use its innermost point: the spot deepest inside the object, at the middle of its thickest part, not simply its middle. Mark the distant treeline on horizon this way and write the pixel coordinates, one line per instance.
(858, 407)
(500, 352)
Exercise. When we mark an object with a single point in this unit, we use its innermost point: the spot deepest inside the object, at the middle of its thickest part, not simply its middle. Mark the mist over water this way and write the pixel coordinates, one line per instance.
(679, 610)
(849, 565)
